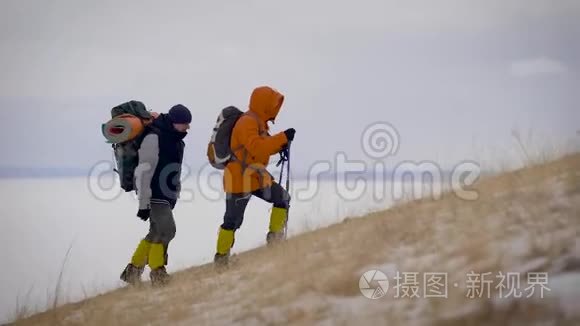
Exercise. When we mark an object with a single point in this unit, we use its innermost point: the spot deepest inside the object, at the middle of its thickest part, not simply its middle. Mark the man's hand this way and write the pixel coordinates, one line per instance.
(290, 134)
(144, 214)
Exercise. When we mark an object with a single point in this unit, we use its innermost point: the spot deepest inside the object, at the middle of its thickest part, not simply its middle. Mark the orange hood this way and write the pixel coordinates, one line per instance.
(266, 103)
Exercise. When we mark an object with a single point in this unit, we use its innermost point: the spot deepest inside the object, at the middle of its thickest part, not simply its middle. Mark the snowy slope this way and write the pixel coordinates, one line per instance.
(525, 223)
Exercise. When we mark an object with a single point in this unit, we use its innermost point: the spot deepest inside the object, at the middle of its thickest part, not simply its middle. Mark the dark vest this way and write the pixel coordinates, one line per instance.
(166, 184)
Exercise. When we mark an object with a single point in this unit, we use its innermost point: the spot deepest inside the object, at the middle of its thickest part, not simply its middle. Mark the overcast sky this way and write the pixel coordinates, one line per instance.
(453, 77)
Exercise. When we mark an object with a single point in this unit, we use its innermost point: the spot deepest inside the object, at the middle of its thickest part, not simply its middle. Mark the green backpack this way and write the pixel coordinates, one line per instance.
(127, 153)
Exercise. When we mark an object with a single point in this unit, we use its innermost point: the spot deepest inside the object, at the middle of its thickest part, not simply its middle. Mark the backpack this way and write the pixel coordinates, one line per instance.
(126, 149)
(219, 153)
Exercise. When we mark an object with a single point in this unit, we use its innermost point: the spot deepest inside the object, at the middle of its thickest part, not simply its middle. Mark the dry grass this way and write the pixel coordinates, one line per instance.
(313, 277)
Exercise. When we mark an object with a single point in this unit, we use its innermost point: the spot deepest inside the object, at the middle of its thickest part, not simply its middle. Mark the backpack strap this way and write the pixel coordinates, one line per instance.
(261, 131)
(243, 161)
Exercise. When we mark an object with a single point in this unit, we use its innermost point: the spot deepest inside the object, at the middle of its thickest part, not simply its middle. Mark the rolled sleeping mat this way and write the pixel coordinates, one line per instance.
(122, 128)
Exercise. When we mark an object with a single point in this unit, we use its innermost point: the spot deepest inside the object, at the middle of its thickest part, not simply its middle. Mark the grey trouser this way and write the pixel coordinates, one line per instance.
(161, 227)
(162, 224)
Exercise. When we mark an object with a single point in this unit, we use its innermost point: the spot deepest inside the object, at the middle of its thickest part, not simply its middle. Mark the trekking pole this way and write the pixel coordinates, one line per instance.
(281, 162)
(288, 169)
(285, 157)
(287, 189)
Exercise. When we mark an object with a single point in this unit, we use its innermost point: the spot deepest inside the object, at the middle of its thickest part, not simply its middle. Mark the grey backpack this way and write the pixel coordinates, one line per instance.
(127, 153)
(219, 152)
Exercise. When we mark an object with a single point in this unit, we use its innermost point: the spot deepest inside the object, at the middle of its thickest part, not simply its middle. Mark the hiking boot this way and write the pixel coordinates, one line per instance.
(132, 274)
(274, 237)
(221, 260)
(159, 276)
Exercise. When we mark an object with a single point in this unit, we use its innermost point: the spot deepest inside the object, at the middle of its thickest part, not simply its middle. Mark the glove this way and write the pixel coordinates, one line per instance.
(144, 214)
(290, 133)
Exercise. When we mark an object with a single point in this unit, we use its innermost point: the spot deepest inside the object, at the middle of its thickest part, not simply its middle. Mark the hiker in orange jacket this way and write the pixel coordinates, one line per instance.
(246, 174)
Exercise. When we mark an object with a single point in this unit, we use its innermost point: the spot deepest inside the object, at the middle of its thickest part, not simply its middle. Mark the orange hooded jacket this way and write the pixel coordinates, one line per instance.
(252, 145)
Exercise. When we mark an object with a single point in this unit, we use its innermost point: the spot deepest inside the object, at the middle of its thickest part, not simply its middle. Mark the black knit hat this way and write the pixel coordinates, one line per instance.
(180, 114)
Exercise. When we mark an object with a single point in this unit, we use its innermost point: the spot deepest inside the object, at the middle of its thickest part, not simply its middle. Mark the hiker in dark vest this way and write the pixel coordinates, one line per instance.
(246, 175)
(157, 179)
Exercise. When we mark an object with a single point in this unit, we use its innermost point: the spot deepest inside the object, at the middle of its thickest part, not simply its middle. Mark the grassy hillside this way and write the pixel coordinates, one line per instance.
(523, 222)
